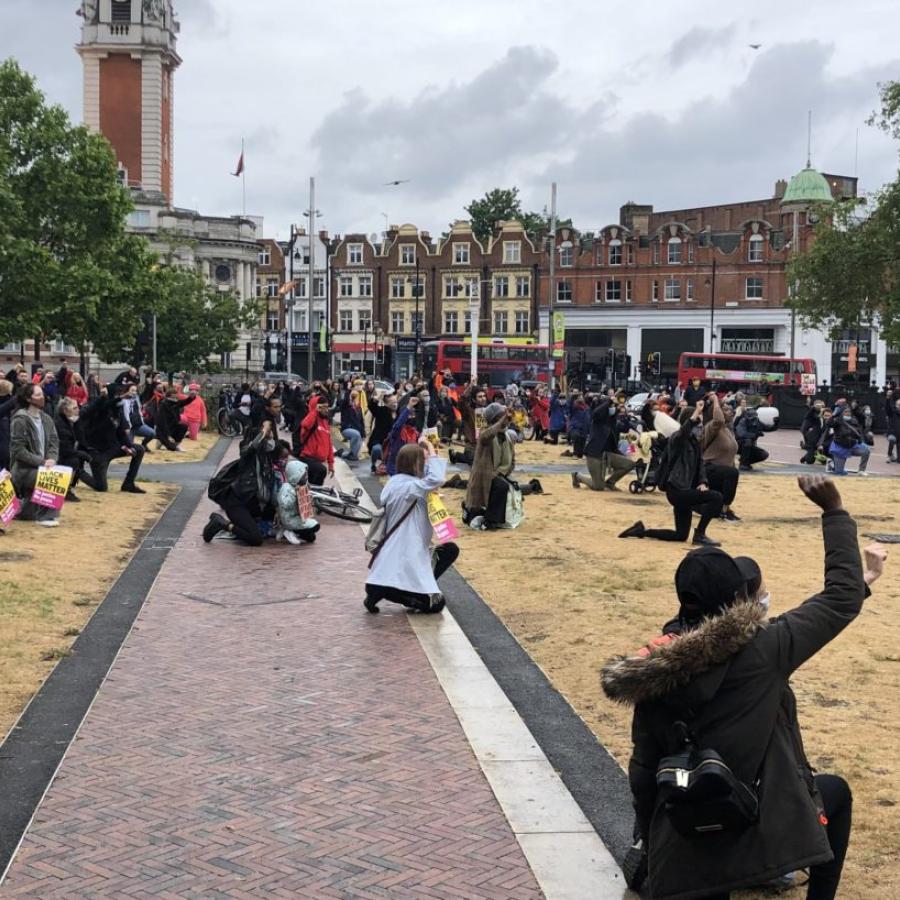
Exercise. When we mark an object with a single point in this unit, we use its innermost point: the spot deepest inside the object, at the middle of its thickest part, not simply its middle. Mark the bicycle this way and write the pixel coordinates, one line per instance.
(335, 503)
(230, 425)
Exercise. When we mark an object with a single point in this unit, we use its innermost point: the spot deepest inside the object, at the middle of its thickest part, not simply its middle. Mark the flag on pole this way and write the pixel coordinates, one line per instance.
(240, 166)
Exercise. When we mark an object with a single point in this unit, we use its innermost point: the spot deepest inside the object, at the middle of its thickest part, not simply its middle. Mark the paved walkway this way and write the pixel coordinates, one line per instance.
(260, 735)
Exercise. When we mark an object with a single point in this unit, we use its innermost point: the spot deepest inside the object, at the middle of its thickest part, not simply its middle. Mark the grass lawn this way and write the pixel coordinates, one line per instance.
(574, 594)
(51, 580)
(194, 451)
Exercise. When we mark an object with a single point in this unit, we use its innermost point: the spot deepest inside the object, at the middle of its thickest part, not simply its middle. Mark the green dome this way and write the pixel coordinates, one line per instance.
(808, 186)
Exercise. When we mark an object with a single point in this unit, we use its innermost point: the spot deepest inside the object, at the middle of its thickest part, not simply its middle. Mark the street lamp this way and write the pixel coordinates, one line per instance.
(712, 307)
(365, 345)
(418, 327)
(376, 333)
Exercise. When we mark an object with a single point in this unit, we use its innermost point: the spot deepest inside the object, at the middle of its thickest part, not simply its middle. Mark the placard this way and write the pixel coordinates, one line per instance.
(808, 384)
(304, 502)
(441, 520)
(51, 486)
(10, 505)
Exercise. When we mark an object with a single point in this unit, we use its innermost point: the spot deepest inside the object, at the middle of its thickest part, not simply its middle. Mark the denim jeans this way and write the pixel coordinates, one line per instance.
(354, 438)
(860, 450)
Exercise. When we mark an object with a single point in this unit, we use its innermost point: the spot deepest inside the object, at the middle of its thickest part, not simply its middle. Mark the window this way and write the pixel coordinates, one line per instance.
(564, 292)
(654, 296)
(398, 322)
(365, 285)
(690, 289)
(418, 322)
(598, 291)
(355, 254)
(512, 251)
(299, 320)
(615, 253)
(673, 289)
(613, 291)
(398, 291)
(631, 254)
(346, 320)
(365, 320)
(500, 322)
(628, 291)
(656, 253)
(300, 287)
(451, 322)
(320, 287)
(566, 256)
(523, 286)
(690, 247)
(407, 254)
(755, 253)
(265, 257)
(318, 319)
(522, 322)
(259, 288)
(467, 321)
(346, 285)
(461, 254)
(452, 287)
(472, 287)
(674, 250)
(754, 288)
(272, 287)
(272, 320)
(501, 286)
(416, 287)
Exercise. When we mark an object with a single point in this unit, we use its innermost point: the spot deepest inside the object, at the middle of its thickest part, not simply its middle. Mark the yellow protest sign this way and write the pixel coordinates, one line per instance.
(51, 486)
(441, 520)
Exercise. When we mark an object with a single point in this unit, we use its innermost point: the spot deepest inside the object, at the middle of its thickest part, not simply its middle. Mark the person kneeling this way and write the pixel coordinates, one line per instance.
(293, 527)
(403, 568)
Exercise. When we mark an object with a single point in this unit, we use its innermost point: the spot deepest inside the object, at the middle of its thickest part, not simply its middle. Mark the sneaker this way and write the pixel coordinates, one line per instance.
(216, 523)
(309, 535)
(477, 524)
(731, 516)
(863, 473)
(72, 497)
(636, 530)
(744, 468)
(455, 481)
(47, 523)
(291, 537)
(701, 540)
(575, 482)
(129, 487)
(371, 605)
(436, 603)
(180, 449)
(829, 465)
(279, 535)
(611, 486)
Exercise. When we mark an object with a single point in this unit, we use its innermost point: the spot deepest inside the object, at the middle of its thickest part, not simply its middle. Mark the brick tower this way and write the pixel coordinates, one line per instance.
(128, 54)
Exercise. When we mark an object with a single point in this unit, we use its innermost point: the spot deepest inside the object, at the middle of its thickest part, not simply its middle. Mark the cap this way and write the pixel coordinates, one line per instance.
(708, 579)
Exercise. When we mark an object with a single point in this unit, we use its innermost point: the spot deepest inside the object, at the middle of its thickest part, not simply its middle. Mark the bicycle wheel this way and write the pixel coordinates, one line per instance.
(228, 426)
(340, 509)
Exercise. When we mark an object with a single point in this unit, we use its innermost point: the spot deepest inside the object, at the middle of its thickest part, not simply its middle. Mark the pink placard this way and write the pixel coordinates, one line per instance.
(445, 531)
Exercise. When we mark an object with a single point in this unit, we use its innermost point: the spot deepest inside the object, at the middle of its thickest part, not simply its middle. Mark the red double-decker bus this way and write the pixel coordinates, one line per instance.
(751, 374)
(499, 362)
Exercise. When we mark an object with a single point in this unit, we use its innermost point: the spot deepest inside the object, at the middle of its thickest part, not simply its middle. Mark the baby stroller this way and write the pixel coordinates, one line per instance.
(648, 449)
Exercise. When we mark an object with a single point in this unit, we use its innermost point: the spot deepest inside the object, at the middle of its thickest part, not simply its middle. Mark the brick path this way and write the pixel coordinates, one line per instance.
(260, 735)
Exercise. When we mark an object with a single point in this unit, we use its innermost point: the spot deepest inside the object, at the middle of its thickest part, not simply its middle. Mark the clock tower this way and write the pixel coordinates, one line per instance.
(128, 55)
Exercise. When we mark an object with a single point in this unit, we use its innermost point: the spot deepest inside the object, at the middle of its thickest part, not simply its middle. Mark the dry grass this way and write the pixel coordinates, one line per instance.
(574, 595)
(194, 451)
(52, 579)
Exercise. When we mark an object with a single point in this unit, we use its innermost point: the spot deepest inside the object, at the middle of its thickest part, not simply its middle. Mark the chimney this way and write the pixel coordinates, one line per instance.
(780, 188)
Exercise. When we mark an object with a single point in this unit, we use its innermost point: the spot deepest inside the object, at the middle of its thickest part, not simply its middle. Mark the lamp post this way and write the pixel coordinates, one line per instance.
(365, 345)
(312, 213)
(376, 333)
(417, 323)
(712, 307)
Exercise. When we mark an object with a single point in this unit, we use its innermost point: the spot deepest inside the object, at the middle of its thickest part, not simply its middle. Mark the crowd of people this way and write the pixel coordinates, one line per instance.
(52, 419)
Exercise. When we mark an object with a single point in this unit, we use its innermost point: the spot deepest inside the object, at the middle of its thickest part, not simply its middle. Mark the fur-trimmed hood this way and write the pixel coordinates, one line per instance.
(672, 666)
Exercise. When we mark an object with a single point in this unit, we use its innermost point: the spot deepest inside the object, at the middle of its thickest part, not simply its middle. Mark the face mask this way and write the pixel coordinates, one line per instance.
(763, 601)
(270, 445)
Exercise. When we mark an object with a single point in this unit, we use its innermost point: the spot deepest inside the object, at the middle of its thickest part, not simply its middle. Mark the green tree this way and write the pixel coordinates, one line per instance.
(500, 204)
(851, 273)
(62, 214)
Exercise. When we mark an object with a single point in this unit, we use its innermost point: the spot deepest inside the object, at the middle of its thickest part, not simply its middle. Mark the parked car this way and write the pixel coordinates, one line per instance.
(275, 377)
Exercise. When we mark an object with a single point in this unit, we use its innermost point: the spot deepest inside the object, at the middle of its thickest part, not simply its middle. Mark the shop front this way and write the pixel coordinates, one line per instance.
(748, 341)
(670, 343)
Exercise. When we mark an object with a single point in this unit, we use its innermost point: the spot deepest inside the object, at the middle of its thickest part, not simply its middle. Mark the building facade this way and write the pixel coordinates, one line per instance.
(298, 307)
(269, 281)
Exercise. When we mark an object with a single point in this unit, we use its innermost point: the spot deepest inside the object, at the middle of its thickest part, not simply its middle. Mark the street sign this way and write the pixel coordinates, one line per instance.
(559, 335)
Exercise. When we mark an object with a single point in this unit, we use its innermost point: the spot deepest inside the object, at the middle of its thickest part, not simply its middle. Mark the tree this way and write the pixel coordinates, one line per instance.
(62, 214)
(501, 204)
(851, 274)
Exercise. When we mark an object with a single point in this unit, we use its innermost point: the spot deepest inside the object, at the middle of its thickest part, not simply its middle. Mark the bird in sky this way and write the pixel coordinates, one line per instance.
(395, 183)
(754, 46)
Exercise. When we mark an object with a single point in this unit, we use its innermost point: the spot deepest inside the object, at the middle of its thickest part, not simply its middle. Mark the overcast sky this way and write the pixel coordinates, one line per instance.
(658, 103)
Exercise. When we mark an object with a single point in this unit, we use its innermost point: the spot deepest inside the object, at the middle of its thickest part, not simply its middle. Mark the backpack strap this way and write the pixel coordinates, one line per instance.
(392, 529)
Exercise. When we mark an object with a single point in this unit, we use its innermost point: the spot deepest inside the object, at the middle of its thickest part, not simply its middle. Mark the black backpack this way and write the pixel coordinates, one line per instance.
(222, 480)
(699, 792)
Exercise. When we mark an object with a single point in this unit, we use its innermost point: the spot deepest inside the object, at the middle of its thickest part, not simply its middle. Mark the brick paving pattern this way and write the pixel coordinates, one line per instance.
(260, 735)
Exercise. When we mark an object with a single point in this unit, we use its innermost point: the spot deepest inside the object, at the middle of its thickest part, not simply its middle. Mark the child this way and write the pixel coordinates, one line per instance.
(292, 526)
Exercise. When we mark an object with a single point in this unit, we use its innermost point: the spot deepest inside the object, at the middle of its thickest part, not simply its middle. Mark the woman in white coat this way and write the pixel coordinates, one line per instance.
(404, 569)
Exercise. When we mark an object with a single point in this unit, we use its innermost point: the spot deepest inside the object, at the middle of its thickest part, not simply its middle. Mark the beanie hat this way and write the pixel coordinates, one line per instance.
(493, 411)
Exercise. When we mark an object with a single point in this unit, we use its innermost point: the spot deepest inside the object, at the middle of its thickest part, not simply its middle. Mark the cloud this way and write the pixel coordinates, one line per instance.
(698, 42)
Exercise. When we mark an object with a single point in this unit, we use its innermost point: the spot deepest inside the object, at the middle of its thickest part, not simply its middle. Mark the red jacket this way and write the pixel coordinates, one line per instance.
(78, 393)
(315, 436)
(540, 412)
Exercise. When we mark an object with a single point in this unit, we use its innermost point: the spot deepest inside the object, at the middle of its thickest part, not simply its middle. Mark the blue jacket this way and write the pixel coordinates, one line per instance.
(579, 420)
(557, 413)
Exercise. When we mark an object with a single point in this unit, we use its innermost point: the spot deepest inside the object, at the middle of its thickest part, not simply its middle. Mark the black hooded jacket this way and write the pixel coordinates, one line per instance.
(729, 679)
